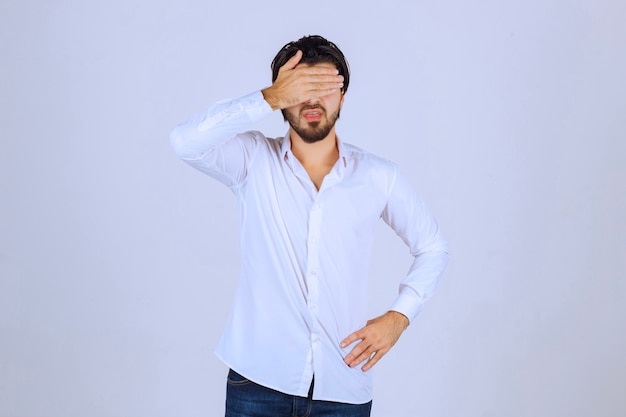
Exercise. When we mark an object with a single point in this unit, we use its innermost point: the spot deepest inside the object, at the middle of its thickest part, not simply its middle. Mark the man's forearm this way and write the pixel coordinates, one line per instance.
(419, 284)
(221, 122)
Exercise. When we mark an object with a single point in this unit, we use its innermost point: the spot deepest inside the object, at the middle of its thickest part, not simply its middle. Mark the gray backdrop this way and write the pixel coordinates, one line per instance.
(118, 262)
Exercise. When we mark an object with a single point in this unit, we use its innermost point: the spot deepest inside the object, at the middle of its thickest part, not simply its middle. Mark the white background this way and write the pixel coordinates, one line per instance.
(118, 262)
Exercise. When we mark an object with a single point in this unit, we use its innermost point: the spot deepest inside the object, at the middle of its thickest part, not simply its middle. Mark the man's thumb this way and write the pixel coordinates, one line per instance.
(293, 61)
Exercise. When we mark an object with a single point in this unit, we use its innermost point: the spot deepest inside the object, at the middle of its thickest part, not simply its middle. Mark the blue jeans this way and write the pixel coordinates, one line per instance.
(245, 398)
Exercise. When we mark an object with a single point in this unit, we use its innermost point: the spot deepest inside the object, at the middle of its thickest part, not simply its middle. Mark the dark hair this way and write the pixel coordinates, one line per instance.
(315, 49)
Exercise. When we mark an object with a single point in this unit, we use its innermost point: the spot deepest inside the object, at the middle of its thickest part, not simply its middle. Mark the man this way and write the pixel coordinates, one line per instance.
(298, 340)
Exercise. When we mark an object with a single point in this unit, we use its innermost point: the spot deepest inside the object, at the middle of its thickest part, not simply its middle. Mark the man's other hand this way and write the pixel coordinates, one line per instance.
(377, 338)
(297, 84)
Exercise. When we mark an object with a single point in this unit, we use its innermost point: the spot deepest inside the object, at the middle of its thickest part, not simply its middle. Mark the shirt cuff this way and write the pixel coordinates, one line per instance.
(408, 303)
(255, 106)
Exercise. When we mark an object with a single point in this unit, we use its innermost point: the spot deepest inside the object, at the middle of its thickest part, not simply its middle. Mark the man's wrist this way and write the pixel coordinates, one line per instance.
(400, 318)
(270, 98)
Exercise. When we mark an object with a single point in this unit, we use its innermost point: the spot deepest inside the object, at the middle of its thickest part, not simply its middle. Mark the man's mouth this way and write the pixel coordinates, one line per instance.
(312, 115)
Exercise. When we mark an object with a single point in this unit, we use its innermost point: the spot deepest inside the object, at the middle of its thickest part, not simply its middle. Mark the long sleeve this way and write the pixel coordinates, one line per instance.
(217, 140)
(407, 214)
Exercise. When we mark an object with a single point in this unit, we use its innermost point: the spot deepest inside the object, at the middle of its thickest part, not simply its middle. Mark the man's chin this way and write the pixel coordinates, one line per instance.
(312, 135)
(312, 132)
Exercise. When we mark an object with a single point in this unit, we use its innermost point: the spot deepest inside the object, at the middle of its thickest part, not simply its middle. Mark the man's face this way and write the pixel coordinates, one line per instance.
(313, 120)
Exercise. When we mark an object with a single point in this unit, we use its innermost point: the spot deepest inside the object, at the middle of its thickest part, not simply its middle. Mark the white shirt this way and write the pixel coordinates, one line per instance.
(305, 253)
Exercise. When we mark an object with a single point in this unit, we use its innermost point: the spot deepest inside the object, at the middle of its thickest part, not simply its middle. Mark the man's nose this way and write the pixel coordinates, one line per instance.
(312, 101)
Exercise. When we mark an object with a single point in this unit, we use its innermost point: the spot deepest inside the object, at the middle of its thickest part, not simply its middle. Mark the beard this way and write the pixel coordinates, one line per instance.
(312, 132)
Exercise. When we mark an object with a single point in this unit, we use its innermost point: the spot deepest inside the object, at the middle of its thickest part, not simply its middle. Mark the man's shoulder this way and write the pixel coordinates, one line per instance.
(260, 138)
(362, 155)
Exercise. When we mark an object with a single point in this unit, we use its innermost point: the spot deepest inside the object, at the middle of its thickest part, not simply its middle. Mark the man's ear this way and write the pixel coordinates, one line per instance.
(343, 95)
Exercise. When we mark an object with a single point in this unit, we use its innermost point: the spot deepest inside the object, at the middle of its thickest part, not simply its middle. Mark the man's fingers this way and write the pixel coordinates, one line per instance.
(363, 356)
(323, 79)
(377, 338)
(350, 339)
(292, 62)
(371, 354)
(362, 351)
(358, 354)
(316, 81)
(319, 70)
(374, 358)
(323, 82)
(321, 90)
(357, 350)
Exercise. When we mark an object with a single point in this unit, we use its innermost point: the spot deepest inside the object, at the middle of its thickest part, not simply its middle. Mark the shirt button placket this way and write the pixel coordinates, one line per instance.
(313, 265)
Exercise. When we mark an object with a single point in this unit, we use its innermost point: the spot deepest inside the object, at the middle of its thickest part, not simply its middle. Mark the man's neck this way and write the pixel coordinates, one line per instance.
(320, 153)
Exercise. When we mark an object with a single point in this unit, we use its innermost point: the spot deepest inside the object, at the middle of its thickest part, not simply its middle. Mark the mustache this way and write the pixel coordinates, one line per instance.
(313, 107)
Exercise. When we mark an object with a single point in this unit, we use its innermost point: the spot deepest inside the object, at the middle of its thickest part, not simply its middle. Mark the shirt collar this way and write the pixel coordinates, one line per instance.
(286, 148)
